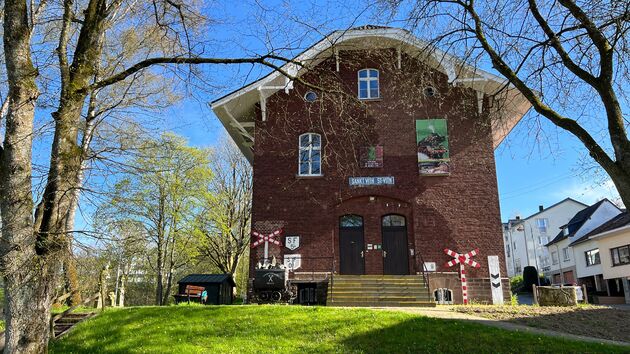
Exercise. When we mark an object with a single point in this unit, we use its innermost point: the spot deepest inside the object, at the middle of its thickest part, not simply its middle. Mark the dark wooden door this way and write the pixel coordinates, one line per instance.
(395, 259)
(351, 250)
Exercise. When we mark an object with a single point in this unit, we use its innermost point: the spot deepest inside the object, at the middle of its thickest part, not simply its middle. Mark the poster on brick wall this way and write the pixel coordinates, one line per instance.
(371, 156)
(432, 147)
(495, 280)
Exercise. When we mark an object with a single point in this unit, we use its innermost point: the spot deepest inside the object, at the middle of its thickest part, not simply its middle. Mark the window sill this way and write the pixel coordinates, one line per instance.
(308, 176)
(370, 99)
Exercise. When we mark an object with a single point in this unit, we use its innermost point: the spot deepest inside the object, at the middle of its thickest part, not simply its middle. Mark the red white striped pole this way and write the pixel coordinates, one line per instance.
(462, 271)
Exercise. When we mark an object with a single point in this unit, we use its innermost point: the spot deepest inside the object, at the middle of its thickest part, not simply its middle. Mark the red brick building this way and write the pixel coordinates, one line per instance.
(377, 159)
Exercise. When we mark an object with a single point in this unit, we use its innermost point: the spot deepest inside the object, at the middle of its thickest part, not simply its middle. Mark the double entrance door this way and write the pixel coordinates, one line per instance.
(393, 247)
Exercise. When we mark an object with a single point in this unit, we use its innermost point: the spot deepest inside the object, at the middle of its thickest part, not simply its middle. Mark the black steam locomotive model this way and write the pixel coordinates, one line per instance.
(271, 286)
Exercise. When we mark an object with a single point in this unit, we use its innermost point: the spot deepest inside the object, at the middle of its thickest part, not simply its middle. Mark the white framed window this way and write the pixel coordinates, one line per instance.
(310, 156)
(517, 266)
(554, 257)
(368, 84)
(542, 225)
(542, 240)
(565, 254)
(592, 257)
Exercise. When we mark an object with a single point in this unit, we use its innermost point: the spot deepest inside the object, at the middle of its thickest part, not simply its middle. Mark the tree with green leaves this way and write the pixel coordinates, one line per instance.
(163, 191)
(223, 227)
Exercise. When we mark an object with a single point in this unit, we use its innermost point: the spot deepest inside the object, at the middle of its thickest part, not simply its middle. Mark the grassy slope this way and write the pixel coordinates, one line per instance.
(250, 329)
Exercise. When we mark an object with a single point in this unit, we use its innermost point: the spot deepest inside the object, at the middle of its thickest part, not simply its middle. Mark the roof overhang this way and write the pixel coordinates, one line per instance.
(236, 110)
(612, 232)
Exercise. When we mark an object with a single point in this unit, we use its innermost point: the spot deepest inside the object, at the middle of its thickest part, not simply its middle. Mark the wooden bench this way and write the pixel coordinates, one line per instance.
(191, 291)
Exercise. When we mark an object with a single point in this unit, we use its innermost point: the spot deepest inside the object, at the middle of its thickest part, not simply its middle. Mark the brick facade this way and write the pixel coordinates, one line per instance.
(459, 211)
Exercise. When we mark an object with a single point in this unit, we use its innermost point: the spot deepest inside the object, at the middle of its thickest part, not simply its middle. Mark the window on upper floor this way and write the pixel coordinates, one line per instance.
(368, 84)
(592, 257)
(310, 156)
(620, 255)
(542, 225)
(554, 257)
(565, 254)
(543, 240)
(507, 250)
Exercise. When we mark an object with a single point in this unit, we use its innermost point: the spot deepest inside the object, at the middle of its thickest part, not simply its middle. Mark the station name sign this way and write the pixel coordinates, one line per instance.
(371, 181)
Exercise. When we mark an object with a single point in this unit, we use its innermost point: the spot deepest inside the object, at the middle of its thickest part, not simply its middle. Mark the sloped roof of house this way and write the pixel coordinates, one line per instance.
(237, 113)
(514, 222)
(576, 222)
(207, 279)
(618, 221)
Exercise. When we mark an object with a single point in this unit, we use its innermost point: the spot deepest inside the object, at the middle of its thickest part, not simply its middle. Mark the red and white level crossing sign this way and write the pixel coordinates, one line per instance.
(266, 238)
(461, 259)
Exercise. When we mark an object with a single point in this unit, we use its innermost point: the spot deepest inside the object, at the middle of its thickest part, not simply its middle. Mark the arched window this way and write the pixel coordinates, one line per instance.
(310, 157)
(393, 220)
(351, 220)
(368, 84)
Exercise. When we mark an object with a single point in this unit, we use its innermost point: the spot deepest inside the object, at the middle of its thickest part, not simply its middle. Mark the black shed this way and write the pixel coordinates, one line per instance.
(219, 287)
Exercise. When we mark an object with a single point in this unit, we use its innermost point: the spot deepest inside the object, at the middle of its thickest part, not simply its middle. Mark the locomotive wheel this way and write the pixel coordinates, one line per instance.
(276, 296)
(264, 296)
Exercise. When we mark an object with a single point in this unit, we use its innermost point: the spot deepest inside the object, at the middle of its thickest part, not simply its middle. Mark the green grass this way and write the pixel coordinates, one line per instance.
(293, 329)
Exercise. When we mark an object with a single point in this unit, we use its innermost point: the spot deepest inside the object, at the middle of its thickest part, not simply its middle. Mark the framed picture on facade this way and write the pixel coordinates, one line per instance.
(432, 147)
(371, 156)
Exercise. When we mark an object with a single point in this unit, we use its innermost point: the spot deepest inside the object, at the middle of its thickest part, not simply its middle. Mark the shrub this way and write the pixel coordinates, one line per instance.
(516, 283)
(513, 299)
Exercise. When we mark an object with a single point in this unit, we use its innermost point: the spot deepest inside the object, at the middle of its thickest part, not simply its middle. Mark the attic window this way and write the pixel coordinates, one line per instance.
(430, 91)
(310, 96)
(368, 84)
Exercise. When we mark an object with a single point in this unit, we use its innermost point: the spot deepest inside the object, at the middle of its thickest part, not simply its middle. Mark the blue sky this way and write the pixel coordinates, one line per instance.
(531, 170)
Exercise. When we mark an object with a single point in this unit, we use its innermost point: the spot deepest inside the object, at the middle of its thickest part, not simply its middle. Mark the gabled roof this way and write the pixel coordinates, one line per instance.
(577, 221)
(514, 222)
(236, 110)
(207, 279)
(617, 222)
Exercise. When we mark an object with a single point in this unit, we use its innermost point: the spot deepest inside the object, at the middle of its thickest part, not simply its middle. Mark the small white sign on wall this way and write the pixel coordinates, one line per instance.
(292, 261)
(495, 280)
(292, 242)
(430, 266)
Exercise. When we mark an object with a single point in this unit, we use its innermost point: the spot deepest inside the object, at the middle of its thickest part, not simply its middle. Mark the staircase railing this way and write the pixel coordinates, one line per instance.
(425, 275)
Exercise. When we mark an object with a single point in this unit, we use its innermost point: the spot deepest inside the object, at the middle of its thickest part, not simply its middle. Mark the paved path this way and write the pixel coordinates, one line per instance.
(437, 312)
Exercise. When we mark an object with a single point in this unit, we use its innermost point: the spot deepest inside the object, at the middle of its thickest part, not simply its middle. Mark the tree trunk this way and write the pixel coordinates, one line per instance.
(121, 290)
(159, 278)
(28, 277)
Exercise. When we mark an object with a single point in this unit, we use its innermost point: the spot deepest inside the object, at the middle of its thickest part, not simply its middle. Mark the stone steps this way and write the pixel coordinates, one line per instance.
(378, 291)
(65, 323)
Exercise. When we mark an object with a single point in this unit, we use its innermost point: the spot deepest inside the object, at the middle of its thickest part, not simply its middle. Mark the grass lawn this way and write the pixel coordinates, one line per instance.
(293, 329)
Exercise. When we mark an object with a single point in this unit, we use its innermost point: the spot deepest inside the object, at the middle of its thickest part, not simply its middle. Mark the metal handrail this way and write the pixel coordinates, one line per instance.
(425, 275)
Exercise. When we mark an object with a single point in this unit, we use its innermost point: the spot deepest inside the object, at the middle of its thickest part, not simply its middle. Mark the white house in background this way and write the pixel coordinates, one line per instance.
(612, 258)
(563, 268)
(525, 239)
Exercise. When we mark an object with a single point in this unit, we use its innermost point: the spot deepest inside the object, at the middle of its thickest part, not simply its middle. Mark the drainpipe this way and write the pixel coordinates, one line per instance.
(511, 247)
